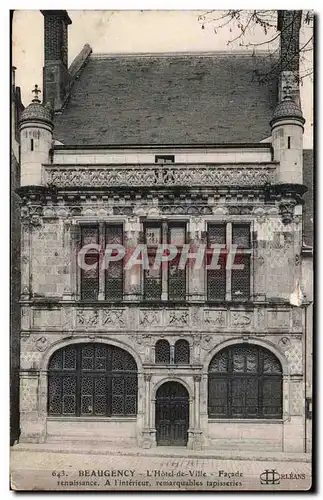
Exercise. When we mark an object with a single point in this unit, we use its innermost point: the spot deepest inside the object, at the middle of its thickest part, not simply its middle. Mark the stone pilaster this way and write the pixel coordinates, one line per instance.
(68, 256)
(132, 276)
(197, 438)
(101, 294)
(195, 272)
(148, 434)
(25, 260)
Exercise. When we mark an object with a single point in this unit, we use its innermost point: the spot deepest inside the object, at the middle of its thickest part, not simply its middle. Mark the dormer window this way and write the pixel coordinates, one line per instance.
(165, 159)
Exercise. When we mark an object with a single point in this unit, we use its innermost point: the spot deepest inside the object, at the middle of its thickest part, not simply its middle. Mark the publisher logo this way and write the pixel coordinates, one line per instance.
(270, 476)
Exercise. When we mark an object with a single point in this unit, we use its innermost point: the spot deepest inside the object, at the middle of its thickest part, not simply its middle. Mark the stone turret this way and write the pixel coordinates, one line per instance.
(287, 139)
(36, 136)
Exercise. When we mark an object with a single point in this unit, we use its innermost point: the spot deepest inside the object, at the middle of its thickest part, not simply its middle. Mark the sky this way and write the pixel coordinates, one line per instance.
(137, 31)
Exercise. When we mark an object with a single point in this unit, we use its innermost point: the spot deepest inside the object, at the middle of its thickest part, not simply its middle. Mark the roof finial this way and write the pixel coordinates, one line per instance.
(36, 91)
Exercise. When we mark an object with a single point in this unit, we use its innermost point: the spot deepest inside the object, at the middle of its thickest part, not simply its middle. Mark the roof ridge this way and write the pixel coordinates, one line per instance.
(102, 55)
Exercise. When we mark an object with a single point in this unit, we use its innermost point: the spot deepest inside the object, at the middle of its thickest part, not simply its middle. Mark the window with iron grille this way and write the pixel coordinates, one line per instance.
(112, 276)
(245, 381)
(92, 380)
(179, 354)
(167, 277)
(162, 352)
(229, 282)
(182, 352)
(176, 276)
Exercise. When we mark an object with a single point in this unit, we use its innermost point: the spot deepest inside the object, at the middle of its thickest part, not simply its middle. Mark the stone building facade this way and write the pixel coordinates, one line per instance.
(202, 358)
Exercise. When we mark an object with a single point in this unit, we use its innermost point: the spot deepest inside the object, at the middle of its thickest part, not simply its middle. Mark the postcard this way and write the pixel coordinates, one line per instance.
(161, 250)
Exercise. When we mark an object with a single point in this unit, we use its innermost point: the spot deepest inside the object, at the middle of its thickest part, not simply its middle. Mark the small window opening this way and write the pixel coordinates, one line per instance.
(31, 144)
(165, 159)
(288, 142)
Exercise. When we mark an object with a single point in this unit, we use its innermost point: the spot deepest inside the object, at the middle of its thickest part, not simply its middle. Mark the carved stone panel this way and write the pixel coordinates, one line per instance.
(178, 318)
(150, 317)
(215, 318)
(242, 319)
(87, 318)
(114, 318)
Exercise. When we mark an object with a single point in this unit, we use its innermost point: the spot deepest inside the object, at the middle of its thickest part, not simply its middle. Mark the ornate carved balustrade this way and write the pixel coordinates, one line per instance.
(197, 175)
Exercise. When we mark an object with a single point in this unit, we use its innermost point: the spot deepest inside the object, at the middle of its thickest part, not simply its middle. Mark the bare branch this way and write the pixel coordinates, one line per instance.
(246, 20)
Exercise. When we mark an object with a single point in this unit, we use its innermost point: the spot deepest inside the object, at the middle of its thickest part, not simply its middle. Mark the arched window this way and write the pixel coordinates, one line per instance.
(182, 352)
(162, 352)
(245, 381)
(92, 380)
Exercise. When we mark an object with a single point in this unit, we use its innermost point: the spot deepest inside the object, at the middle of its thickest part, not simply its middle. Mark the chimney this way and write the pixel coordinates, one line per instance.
(55, 71)
(289, 24)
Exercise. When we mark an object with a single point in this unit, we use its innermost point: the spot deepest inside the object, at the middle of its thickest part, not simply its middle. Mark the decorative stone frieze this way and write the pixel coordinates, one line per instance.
(70, 317)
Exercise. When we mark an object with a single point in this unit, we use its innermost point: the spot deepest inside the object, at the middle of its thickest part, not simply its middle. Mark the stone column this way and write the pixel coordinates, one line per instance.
(191, 433)
(204, 409)
(197, 443)
(147, 378)
(148, 434)
(133, 276)
(149, 431)
(196, 274)
(197, 380)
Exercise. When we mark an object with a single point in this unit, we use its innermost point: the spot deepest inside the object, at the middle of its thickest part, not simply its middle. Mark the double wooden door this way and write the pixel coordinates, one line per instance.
(172, 415)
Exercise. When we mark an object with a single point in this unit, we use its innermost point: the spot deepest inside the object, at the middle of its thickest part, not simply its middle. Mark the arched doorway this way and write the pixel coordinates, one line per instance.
(172, 415)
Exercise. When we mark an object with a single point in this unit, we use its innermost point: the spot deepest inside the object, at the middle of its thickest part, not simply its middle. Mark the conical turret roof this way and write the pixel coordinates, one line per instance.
(36, 111)
(287, 108)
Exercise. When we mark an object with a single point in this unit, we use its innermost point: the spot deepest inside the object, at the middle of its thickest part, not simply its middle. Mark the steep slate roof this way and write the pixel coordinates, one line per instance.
(169, 99)
(308, 170)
